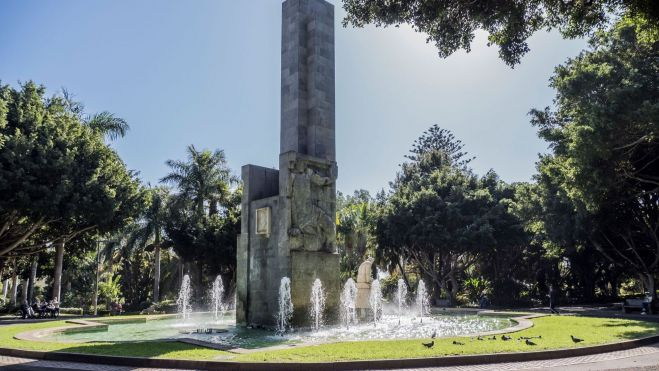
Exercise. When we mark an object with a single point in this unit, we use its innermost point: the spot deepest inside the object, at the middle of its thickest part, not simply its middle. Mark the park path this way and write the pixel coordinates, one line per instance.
(641, 358)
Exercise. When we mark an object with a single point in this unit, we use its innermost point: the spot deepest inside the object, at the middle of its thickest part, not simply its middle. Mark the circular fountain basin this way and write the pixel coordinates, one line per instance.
(225, 333)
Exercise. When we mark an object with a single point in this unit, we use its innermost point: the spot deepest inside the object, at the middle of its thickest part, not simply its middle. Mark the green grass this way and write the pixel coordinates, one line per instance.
(149, 349)
(555, 333)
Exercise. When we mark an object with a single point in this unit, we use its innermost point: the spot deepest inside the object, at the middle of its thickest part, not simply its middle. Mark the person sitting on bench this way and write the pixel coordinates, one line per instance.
(27, 310)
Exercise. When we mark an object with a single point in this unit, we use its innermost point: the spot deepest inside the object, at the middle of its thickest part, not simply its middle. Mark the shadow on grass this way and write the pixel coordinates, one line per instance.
(147, 349)
(647, 329)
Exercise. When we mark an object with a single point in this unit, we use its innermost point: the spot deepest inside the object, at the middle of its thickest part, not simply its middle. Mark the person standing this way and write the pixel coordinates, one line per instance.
(553, 299)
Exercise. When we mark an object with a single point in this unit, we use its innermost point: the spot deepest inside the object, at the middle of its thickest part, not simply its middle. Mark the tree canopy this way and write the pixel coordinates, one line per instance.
(604, 138)
(451, 25)
(57, 176)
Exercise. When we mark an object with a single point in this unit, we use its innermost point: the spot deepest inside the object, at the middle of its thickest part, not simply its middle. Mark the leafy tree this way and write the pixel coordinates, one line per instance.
(204, 217)
(61, 181)
(204, 178)
(150, 230)
(104, 123)
(443, 140)
(443, 219)
(451, 25)
(354, 223)
(433, 218)
(110, 289)
(603, 134)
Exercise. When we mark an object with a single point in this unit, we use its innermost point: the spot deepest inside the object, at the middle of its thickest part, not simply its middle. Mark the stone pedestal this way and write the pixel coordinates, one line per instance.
(306, 267)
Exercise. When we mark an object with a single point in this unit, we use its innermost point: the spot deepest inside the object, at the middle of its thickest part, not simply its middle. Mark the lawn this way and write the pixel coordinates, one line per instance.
(555, 332)
(150, 349)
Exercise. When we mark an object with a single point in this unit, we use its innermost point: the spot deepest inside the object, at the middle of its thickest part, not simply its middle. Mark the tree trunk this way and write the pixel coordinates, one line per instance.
(24, 297)
(57, 276)
(5, 288)
(401, 266)
(453, 290)
(33, 278)
(14, 287)
(156, 269)
(437, 291)
(648, 282)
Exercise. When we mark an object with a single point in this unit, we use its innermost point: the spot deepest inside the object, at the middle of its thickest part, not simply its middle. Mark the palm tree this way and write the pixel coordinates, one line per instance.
(104, 123)
(107, 124)
(204, 179)
(150, 229)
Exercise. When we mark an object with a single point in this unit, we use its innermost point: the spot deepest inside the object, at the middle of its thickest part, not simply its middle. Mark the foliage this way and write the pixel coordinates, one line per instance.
(71, 311)
(109, 289)
(442, 217)
(80, 273)
(443, 140)
(150, 230)
(603, 134)
(204, 217)
(59, 178)
(451, 25)
(474, 288)
(354, 224)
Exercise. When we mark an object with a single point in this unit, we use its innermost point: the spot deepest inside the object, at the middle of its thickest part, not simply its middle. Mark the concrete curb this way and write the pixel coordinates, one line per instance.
(344, 365)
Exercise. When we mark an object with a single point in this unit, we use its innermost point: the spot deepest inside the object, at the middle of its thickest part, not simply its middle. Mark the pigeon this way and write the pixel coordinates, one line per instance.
(505, 338)
(576, 340)
(457, 343)
(429, 345)
(434, 334)
(529, 342)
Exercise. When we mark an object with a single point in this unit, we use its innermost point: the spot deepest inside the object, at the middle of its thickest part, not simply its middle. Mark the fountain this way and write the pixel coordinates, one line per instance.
(285, 312)
(184, 296)
(317, 304)
(401, 294)
(375, 301)
(348, 296)
(216, 295)
(422, 302)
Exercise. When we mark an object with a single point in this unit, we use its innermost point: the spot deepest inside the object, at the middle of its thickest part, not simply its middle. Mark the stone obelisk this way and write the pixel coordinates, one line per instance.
(288, 215)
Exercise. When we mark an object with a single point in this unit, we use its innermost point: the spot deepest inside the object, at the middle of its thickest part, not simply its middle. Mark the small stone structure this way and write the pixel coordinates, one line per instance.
(288, 215)
(364, 279)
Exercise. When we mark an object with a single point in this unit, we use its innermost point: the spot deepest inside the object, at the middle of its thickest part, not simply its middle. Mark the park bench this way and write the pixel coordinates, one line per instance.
(644, 305)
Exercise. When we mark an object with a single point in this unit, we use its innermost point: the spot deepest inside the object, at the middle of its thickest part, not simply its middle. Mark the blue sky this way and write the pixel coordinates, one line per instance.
(207, 73)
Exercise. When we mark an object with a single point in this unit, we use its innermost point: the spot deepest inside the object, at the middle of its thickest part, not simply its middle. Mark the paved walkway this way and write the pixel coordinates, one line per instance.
(641, 358)
(24, 364)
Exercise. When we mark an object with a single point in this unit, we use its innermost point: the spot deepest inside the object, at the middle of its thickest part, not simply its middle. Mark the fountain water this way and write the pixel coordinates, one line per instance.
(375, 300)
(401, 295)
(184, 296)
(348, 296)
(216, 295)
(422, 302)
(285, 312)
(317, 304)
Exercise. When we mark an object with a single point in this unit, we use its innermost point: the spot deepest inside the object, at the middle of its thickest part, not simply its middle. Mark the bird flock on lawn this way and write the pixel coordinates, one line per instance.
(528, 340)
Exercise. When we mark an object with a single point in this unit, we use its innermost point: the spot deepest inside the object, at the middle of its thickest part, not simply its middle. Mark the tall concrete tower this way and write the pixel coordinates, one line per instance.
(288, 215)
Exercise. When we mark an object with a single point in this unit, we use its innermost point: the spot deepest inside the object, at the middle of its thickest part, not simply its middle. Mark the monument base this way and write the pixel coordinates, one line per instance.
(306, 266)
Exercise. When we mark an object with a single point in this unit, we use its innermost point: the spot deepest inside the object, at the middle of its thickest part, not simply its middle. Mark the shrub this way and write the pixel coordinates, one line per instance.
(73, 311)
